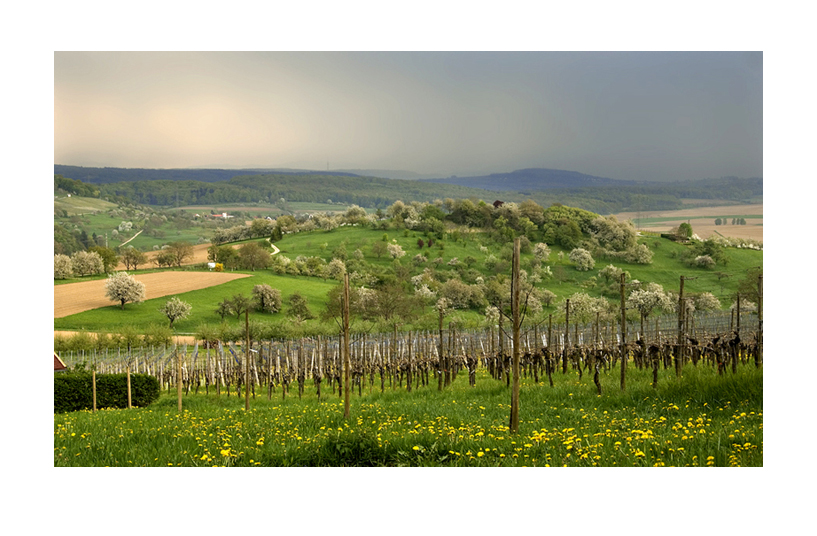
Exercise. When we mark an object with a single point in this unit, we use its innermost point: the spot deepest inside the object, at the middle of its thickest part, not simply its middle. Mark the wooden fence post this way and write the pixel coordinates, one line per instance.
(347, 359)
(514, 426)
(623, 334)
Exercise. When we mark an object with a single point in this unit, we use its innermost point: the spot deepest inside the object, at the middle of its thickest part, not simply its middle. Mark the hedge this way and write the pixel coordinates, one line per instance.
(73, 391)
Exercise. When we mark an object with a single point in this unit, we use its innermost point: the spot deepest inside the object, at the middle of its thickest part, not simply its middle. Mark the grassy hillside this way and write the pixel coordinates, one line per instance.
(665, 269)
(76, 205)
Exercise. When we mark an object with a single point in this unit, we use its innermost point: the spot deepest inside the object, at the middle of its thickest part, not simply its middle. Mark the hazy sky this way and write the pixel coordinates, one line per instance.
(640, 115)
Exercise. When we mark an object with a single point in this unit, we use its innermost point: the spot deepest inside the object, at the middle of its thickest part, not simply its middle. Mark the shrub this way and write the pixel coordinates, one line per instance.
(73, 391)
(704, 261)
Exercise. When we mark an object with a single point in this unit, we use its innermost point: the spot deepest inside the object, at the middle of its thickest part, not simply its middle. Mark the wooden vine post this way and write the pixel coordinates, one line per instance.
(514, 426)
(247, 361)
(347, 360)
(681, 313)
(93, 386)
(178, 377)
(623, 335)
(566, 345)
(440, 361)
(128, 372)
(759, 359)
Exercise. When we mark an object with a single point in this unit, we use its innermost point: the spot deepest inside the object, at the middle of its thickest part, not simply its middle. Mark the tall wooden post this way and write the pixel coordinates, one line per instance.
(514, 426)
(129, 395)
(440, 361)
(178, 377)
(93, 387)
(347, 359)
(759, 359)
(128, 373)
(247, 361)
(736, 354)
(623, 334)
(567, 336)
(681, 314)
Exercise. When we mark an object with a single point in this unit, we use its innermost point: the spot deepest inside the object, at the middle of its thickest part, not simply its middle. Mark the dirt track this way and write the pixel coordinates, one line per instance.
(75, 298)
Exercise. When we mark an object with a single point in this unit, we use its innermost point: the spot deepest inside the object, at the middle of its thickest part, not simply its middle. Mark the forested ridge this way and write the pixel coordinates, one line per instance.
(372, 192)
(363, 191)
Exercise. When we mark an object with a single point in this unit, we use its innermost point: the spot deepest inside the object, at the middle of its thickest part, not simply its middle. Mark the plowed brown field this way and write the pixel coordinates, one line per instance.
(75, 298)
(703, 221)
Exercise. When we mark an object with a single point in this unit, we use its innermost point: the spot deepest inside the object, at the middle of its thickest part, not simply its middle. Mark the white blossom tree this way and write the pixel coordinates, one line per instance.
(124, 288)
(175, 309)
(63, 268)
(336, 269)
(541, 251)
(267, 298)
(706, 301)
(395, 250)
(639, 254)
(87, 263)
(704, 261)
(584, 307)
(650, 297)
(611, 273)
(582, 259)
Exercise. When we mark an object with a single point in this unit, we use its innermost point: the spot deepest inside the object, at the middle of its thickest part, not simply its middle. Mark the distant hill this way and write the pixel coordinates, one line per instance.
(108, 175)
(390, 174)
(533, 180)
(176, 187)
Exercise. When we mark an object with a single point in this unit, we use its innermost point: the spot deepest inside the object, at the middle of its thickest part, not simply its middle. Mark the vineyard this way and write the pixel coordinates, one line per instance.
(409, 360)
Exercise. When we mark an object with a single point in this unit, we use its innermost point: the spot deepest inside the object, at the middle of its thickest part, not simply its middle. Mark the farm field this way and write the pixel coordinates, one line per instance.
(263, 209)
(699, 420)
(76, 205)
(702, 220)
(73, 298)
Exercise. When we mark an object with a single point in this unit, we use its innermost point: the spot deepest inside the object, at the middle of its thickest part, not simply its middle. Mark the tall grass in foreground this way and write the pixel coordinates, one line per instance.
(701, 419)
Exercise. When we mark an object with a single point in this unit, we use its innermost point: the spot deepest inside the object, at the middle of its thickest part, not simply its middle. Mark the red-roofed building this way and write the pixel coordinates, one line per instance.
(58, 364)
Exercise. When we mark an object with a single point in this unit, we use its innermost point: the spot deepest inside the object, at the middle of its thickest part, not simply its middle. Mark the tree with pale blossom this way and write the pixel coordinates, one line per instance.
(124, 288)
(175, 309)
(395, 250)
(63, 268)
(582, 259)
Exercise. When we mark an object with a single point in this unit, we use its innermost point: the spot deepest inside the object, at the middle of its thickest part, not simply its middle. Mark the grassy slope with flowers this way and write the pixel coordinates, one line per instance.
(701, 419)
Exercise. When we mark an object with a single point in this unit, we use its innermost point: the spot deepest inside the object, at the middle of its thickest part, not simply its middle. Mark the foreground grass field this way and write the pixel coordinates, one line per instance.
(700, 420)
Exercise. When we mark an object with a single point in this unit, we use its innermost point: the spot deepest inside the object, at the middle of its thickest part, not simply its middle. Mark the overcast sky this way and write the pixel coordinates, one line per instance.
(641, 115)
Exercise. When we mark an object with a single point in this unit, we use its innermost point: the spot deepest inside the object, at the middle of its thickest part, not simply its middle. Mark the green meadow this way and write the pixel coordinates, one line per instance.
(699, 420)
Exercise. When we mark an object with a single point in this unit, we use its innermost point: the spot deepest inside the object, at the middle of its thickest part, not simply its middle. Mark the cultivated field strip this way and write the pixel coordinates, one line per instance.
(73, 298)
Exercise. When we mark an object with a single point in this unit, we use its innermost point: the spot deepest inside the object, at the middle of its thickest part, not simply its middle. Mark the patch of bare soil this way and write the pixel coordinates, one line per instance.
(704, 227)
(75, 298)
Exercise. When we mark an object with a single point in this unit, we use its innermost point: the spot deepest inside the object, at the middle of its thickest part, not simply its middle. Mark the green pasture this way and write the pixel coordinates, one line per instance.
(262, 209)
(204, 302)
(666, 268)
(76, 205)
(699, 420)
(104, 224)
